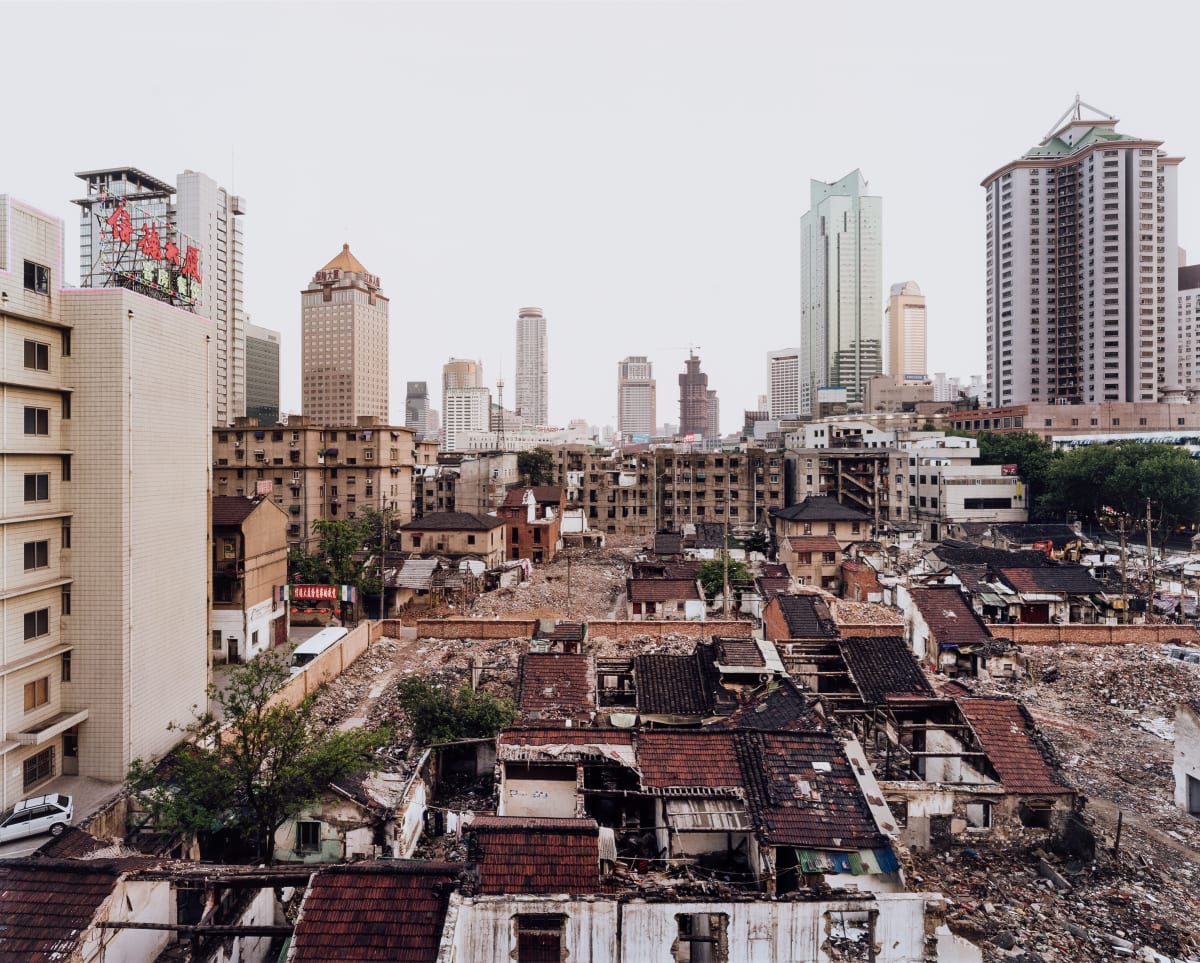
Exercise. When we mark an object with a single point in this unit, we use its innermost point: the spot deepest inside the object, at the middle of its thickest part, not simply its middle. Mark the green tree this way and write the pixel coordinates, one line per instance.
(262, 765)
(442, 714)
(1029, 452)
(536, 466)
(757, 542)
(712, 576)
(337, 542)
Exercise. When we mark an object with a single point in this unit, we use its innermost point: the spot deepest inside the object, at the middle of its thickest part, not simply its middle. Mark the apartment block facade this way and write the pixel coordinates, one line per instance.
(1082, 262)
(533, 368)
(316, 472)
(262, 374)
(104, 608)
(636, 402)
(907, 333)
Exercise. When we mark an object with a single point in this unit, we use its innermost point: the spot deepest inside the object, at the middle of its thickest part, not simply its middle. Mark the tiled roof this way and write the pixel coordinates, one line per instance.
(565, 631)
(693, 758)
(73, 843)
(555, 683)
(822, 508)
(883, 666)
(814, 543)
(775, 570)
(670, 685)
(671, 568)
(661, 589)
(802, 792)
(374, 911)
(232, 509)
(770, 586)
(1026, 533)
(542, 494)
(551, 736)
(739, 652)
(1065, 579)
(522, 854)
(950, 619)
(45, 905)
(952, 551)
(807, 617)
(668, 543)
(1007, 735)
(783, 706)
(416, 573)
(452, 522)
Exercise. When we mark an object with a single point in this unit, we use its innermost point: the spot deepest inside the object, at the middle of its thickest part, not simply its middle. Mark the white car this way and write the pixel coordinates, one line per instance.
(41, 814)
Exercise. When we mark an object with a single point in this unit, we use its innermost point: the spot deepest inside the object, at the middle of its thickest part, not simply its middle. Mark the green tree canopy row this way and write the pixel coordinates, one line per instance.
(536, 466)
(442, 714)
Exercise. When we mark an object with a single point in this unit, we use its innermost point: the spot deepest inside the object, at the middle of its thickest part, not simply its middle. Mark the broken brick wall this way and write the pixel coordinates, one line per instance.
(1098, 634)
(475, 628)
(625, 630)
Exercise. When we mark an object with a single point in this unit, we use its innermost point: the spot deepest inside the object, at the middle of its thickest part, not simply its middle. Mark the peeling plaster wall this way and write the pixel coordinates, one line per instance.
(1187, 752)
(131, 900)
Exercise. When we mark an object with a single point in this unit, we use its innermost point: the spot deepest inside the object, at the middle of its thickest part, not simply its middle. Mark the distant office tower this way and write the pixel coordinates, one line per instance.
(107, 461)
(459, 373)
(712, 415)
(1082, 267)
(693, 399)
(181, 244)
(465, 410)
(783, 383)
(416, 409)
(262, 374)
(841, 320)
(636, 403)
(906, 332)
(344, 344)
(532, 368)
(1188, 366)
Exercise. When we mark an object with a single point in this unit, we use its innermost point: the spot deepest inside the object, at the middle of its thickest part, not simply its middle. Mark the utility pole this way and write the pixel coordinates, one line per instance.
(1124, 593)
(725, 545)
(1149, 566)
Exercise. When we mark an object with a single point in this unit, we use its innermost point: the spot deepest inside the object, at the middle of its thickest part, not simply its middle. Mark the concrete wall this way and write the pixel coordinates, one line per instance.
(601, 930)
(328, 665)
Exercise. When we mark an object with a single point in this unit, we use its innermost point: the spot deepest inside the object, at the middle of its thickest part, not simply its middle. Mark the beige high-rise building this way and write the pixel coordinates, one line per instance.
(636, 408)
(533, 375)
(906, 333)
(344, 344)
(104, 593)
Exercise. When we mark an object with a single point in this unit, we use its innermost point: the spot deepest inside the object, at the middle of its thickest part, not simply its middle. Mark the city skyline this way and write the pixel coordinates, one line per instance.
(636, 257)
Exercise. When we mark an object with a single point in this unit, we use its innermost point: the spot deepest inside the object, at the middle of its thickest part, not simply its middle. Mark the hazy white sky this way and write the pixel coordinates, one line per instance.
(637, 169)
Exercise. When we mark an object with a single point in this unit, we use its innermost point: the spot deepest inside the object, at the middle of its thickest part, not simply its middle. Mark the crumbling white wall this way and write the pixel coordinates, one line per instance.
(1187, 752)
(131, 901)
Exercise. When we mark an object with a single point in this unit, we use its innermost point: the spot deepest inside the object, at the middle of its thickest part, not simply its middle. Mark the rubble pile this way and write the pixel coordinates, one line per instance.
(1031, 907)
(1109, 714)
(597, 582)
(603, 647)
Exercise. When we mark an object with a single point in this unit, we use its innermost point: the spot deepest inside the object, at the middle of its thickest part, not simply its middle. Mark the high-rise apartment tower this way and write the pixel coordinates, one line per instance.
(344, 344)
(262, 374)
(841, 315)
(906, 332)
(636, 403)
(533, 375)
(783, 383)
(1082, 267)
(416, 409)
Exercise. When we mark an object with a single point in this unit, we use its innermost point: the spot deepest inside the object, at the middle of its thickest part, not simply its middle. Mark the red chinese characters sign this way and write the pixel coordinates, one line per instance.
(316, 593)
(144, 249)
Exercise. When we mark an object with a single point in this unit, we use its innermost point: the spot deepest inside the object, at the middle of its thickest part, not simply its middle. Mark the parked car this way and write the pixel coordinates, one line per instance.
(41, 814)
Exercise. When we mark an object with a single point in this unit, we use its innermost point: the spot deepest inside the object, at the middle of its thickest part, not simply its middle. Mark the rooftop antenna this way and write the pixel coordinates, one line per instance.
(1075, 112)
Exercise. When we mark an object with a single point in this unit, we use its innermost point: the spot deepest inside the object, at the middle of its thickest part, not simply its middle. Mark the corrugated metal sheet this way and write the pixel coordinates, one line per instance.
(705, 814)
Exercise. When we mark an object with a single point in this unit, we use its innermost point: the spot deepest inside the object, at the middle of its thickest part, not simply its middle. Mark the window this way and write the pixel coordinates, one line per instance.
(65, 662)
(828, 558)
(37, 488)
(66, 467)
(66, 600)
(540, 937)
(308, 836)
(37, 278)
(66, 344)
(701, 937)
(37, 693)
(37, 355)
(37, 421)
(979, 815)
(38, 768)
(37, 555)
(37, 624)
(471, 539)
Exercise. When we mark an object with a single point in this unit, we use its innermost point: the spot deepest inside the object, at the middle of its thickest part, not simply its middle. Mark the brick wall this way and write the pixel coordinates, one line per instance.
(473, 628)
(328, 665)
(699, 630)
(869, 630)
(1096, 634)
(859, 583)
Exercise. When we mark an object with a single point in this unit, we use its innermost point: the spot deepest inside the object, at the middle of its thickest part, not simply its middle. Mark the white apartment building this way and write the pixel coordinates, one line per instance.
(1187, 370)
(783, 383)
(460, 373)
(1082, 264)
(344, 344)
(104, 597)
(194, 214)
(906, 326)
(466, 410)
(636, 401)
(841, 313)
(533, 372)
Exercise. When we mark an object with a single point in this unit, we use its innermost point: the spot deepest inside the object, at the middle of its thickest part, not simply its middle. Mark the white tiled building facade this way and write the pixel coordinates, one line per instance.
(104, 596)
(533, 373)
(636, 397)
(783, 383)
(1082, 268)
(344, 344)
